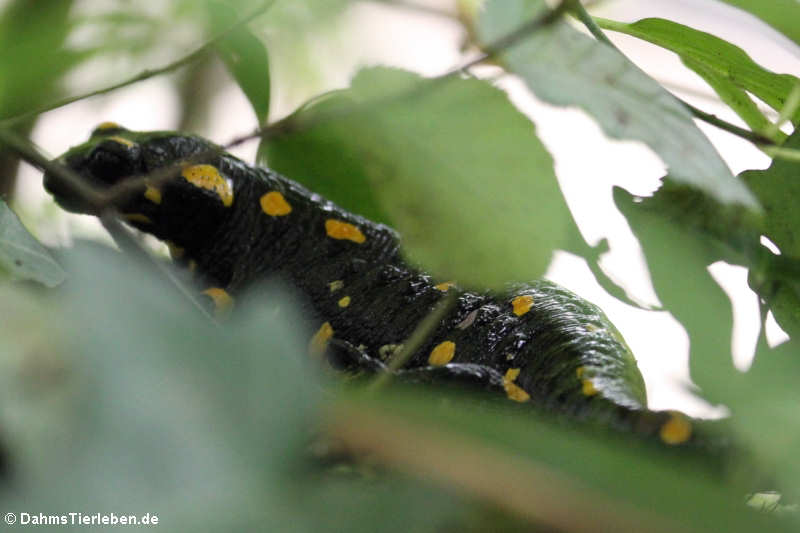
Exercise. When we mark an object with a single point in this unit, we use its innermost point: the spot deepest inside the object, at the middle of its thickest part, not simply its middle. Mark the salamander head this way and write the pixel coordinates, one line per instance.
(176, 185)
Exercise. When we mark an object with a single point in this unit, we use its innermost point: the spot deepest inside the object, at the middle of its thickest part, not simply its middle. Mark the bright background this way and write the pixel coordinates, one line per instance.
(373, 33)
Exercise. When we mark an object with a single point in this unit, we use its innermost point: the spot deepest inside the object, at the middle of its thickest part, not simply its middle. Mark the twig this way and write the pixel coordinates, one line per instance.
(28, 152)
(146, 74)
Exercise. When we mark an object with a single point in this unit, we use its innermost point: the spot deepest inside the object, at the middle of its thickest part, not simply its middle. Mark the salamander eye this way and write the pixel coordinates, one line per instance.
(113, 159)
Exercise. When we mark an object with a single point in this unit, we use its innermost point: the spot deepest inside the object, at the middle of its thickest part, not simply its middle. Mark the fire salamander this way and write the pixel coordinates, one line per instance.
(235, 224)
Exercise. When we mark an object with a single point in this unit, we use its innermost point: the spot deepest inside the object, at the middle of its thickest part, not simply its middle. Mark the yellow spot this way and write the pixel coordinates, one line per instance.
(107, 126)
(444, 286)
(337, 229)
(442, 354)
(152, 194)
(676, 430)
(522, 304)
(208, 177)
(579, 371)
(122, 140)
(175, 251)
(223, 302)
(137, 217)
(587, 387)
(336, 285)
(514, 391)
(344, 302)
(320, 339)
(591, 328)
(274, 204)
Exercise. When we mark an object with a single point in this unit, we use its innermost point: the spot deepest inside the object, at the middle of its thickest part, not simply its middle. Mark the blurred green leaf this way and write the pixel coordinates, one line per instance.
(726, 67)
(565, 67)
(22, 256)
(323, 158)
(763, 404)
(458, 169)
(783, 15)
(552, 474)
(246, 58)
(136, 404)
(159, 410)
(32, 36)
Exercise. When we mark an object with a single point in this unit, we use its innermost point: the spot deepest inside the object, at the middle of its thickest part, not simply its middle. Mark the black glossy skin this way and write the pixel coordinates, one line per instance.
(238, 245)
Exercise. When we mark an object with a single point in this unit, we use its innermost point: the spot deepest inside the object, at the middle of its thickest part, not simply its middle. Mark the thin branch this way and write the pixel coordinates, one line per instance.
(581, 14)
(756, 138)
(491, 50)
(27, 151)
(149, 73)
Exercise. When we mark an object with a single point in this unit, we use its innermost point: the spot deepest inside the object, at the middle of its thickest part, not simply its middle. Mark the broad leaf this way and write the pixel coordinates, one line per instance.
(457, 168)
(22, 256)
(677, 256)
(207, 427)
(565, 67)
(322, 158)
(567, 478)
(726, 67)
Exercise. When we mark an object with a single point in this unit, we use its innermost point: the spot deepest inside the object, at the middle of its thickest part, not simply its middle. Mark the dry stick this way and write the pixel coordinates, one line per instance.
(756, 138)
(149, 73)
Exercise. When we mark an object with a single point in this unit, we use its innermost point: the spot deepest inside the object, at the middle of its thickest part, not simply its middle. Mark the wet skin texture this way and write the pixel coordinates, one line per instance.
(235, 224)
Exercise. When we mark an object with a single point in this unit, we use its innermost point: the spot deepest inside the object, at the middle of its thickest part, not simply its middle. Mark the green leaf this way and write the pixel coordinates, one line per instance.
(777, 189)
(162, 412)
(763, 404)
(677, 256)
(33, 59)
(726, 67)
(457, 168)
(22, 256)
(246, 58)
(322, 158)
(565, 67)
(783, 15)
(555, 474)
